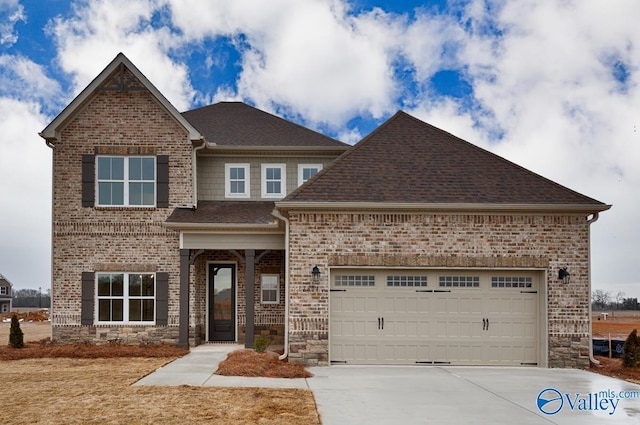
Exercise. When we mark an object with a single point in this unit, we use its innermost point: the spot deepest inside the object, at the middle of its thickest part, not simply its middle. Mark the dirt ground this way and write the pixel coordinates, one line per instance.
(619, 324)
(99, 391)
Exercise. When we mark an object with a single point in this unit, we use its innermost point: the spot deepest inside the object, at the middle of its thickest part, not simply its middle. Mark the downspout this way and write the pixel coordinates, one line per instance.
(277, 214)
(50, 144)
(195, 173)
(591, 358)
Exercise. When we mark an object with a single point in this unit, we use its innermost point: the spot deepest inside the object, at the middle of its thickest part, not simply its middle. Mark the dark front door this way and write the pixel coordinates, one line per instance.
(222, 302)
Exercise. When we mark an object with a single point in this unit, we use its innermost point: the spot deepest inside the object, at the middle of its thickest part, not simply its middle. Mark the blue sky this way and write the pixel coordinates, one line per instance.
(552, 86)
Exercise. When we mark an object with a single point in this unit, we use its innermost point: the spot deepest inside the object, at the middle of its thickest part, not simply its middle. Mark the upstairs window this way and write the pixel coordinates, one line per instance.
(126, 181)
(4, 290)
(273, 180)
(306, 171)
(237, 180)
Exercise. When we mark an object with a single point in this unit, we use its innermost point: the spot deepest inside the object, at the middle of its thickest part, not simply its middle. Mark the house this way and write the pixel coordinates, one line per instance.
(5, 295)
(226, 223)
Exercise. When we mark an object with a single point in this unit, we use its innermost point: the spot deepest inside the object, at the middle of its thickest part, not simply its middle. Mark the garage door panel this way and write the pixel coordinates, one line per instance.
(476, 324)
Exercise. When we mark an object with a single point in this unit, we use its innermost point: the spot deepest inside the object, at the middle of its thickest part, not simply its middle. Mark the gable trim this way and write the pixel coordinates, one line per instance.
(51, 132)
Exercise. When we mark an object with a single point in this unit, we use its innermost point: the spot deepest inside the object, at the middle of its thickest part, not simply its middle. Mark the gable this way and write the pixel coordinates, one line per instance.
(407, 161)
(121, 75)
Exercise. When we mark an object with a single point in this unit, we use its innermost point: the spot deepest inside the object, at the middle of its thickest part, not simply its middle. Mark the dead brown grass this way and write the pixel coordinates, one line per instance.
(252, 363)
(618, 326)
(33, 331)
(99, 391)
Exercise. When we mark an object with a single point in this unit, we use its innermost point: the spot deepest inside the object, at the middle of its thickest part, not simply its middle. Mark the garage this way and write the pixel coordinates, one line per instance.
(435, 317)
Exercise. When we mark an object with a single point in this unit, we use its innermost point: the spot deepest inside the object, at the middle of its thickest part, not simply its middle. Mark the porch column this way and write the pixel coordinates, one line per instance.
(183, 339)
(250, 278)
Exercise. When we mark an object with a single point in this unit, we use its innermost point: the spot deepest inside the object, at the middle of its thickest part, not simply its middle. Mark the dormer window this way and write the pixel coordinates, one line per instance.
(237, 180)
(273, 180)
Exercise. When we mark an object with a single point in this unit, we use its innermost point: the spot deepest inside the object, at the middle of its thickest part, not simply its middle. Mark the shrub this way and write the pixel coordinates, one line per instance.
(261, 344)
(631, 354)
(16, 337)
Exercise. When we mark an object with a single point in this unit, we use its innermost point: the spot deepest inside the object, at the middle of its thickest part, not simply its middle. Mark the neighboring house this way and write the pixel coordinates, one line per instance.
(5, 295)
(414, 246)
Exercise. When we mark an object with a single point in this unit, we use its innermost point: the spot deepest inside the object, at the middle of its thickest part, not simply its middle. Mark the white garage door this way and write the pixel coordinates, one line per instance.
(434, 317)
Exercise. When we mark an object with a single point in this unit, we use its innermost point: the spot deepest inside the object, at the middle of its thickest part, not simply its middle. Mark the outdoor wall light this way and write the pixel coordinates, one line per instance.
(564, 275)
(315, 275)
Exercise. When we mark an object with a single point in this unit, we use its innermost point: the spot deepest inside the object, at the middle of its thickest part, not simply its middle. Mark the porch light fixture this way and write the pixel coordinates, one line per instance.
(315, 275)
(564, 275)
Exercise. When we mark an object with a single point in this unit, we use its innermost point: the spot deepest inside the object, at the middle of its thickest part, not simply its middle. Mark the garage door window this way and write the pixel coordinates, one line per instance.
(459, 281)
(511, 282)
(356, 280)
(407, 281)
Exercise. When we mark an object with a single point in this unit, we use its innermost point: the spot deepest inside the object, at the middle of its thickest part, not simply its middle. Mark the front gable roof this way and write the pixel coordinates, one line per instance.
(409, 162)
(119, 64)
(240, 125)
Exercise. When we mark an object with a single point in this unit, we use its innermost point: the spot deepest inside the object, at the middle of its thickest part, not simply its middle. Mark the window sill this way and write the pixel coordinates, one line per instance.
(125, 208)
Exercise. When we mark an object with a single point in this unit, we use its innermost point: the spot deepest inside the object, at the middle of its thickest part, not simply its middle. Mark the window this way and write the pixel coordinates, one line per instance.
(270, 289)
(356, 280)
(273, 180)
(511, 282)
(306, 171)
(4, 290)
(459, 281)
(126, 297)
(408, 281)
(237, 180)
(126, 181)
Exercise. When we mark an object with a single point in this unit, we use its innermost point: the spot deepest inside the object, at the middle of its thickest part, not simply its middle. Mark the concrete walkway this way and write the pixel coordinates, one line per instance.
(409, 395)
(197, 369)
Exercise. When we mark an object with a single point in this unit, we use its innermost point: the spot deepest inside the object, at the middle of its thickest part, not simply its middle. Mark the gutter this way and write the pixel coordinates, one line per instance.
(194, 180)
(50, 144)
(591, 358)
(277, 214)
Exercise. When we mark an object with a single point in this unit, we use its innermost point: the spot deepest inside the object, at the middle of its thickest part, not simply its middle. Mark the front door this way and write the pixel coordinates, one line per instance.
(222, 302)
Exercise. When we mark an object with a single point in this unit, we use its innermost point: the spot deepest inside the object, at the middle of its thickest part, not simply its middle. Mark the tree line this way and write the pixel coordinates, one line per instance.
(33, 298)
(605, 300)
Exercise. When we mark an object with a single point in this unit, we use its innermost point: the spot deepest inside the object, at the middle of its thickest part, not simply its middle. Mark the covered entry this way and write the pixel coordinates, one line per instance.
(457, 317)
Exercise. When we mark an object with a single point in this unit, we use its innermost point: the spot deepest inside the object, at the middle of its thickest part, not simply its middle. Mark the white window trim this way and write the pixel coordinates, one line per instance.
(301, 168)
(125, 303)
(126, 182)
(262, 288)
(227, 181)
(283, 180)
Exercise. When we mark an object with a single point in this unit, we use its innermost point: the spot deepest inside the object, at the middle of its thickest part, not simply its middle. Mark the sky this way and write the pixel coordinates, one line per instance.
(549, 85)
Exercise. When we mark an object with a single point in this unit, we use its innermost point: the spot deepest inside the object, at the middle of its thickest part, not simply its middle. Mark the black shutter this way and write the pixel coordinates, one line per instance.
(162, 183)
(162, 299)
(88, 298)
(88, 180)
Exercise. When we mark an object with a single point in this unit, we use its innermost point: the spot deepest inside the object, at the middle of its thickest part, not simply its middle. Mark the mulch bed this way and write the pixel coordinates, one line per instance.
(254, 364)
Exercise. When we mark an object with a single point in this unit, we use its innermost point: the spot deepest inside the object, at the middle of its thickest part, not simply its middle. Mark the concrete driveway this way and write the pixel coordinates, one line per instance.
(351, 395)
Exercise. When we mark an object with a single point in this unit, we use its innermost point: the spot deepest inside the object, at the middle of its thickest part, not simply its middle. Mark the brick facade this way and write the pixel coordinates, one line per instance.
(94, 239)
(440, 240)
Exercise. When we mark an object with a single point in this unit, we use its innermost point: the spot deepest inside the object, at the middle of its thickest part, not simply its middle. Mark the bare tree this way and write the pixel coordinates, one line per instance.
(600, 298)
(619, 299)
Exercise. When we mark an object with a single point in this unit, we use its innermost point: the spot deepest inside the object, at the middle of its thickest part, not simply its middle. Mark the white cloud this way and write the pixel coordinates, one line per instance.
(99, 30)
(11, 12)
(21, 78)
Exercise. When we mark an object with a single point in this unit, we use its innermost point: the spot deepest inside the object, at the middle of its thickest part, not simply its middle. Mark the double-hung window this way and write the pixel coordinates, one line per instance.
(273, 180)
(125, 297)
(237, 180)
(306, 171)
(270, 289)
(126, 181)
(4, 290)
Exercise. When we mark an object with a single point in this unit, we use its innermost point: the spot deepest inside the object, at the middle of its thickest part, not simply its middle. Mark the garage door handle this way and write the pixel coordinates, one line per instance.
(383, 323)
(487, 323)
(484, 324)
(378, 323)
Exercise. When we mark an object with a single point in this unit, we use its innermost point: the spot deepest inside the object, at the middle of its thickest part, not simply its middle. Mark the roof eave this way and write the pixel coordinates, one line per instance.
(247, 148)
(444, 207)
(52, 131)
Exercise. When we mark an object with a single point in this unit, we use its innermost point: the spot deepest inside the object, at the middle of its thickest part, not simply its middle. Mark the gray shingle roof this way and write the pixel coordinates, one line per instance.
(238, 124)
(225, 212)
(407, 160)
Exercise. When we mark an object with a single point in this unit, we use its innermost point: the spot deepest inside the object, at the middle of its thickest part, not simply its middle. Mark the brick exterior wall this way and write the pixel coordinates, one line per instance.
(93, 239)
(440, 240)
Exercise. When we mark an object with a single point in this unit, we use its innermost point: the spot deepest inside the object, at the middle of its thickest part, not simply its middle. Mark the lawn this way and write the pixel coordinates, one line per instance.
(77, 390)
